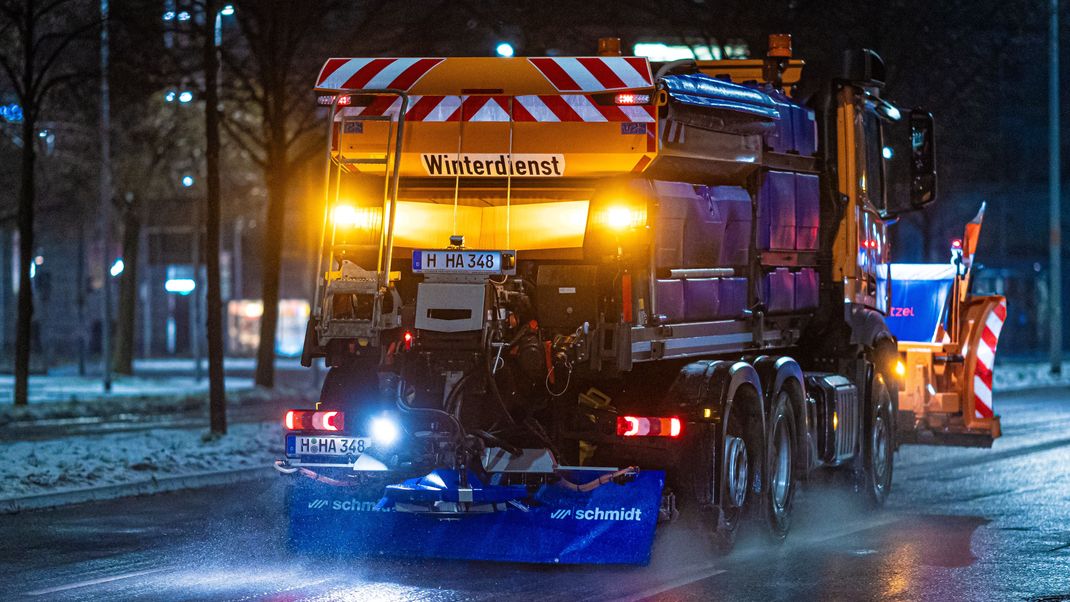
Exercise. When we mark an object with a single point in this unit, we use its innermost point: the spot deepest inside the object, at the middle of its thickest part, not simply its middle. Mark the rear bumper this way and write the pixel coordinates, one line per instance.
(610, 524)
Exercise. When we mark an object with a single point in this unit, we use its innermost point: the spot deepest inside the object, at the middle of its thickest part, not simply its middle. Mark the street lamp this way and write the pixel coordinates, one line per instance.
(226, 11)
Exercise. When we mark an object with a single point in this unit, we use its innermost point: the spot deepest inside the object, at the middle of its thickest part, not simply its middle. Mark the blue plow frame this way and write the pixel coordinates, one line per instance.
(611, 524)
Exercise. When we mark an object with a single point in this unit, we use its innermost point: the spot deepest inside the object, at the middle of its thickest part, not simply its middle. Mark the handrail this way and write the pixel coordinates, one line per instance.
(385, 260)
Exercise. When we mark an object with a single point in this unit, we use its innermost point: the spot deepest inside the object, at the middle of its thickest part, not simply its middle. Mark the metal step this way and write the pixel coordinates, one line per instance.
(366, 161)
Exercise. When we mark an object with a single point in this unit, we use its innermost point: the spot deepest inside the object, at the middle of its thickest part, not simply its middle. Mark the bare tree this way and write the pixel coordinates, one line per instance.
(217, 401)
(271, 76)
(36, 36)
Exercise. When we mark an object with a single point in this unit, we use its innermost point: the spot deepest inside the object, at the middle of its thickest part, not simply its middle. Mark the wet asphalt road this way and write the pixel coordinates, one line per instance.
(962, 524)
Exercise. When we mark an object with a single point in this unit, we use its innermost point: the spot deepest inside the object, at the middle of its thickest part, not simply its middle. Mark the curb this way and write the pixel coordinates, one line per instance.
(151, 486)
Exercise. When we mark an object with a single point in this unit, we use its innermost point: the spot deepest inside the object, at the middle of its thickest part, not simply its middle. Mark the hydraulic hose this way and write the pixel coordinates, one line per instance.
(596, 483)
(404, 407)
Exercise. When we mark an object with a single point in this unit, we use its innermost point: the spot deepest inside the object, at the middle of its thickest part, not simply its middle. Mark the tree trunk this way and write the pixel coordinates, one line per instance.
(217, 401)
(277, 182)
(26, 243)
(123, 357)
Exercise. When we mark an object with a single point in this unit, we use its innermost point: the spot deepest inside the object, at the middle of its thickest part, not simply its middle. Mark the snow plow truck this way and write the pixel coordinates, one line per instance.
(560, 297)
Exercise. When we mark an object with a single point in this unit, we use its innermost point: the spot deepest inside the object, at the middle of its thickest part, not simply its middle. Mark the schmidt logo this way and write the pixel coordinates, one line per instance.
(599, 514)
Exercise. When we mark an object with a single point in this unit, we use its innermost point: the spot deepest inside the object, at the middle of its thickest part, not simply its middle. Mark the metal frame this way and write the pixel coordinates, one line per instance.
(392, 177)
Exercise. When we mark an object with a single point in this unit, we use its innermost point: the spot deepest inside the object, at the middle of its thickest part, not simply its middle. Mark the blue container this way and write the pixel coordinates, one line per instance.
(919, 296)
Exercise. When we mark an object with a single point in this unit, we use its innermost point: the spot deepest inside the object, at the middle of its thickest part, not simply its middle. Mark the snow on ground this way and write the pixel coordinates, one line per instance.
(172, 401)
(1018, 376)
(56, 465)
(52, 388)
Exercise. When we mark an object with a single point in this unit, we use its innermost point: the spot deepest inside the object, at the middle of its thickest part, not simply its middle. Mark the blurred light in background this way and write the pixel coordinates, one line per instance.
(187, 181)
(504, 49)
(656, 51)
(11, 113)
(117, 267)
(228, 10)
(185, 97)
(181, 286)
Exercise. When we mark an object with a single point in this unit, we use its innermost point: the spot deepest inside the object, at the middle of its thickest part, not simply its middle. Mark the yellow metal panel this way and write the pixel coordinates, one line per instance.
(845, 250)
(508, 76)
(749, 70)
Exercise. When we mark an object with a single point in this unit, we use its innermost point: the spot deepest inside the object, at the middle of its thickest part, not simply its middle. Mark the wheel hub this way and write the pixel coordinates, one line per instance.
(736, 473)
(782, 467)
(879, 453)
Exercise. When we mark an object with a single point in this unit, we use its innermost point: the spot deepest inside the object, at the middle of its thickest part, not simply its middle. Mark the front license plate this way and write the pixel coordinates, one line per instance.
(457, 262)
(301, 445)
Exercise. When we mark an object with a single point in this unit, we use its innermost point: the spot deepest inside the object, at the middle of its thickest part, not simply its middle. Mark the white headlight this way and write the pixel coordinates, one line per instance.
(384, 431)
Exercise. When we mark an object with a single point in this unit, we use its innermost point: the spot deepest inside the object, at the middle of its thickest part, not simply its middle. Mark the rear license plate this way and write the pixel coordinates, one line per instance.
(302, 445)
(457, 262)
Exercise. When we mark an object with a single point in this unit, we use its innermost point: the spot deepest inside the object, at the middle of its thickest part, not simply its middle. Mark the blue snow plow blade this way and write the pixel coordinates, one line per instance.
(611, 524)
(444, 485)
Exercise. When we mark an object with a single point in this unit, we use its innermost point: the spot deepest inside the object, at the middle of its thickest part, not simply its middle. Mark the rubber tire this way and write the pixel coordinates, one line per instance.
(878, 454)
(778, 514)
(731, 521)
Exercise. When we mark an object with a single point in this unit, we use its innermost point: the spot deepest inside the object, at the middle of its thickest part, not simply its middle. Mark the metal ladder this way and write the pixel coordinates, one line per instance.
(352, 279)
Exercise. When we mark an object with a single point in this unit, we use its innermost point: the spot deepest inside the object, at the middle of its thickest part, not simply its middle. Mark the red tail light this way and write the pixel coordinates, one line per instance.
(308, 420)
(407, 338)
(646, 426)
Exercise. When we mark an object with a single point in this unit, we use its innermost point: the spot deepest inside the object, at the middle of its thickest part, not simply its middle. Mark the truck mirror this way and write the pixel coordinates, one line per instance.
(922, 159)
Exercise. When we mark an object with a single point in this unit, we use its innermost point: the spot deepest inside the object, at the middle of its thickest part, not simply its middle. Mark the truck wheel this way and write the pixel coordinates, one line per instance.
(740, 477)
(879, 447)
(780, 449)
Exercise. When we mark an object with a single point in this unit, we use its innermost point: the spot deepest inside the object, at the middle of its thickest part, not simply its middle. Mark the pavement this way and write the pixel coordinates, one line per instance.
(152, 377)
(961, 524)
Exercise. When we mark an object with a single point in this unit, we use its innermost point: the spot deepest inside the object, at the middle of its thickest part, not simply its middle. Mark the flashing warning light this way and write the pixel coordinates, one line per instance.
(608, 46)
(361, 218)
(631, 98)
(780, 45)
(308, 420)
(620, 217)
(645, 426)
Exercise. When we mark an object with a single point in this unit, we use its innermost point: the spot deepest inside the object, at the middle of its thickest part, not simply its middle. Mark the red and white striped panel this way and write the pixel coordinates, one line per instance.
(595, 74)
(541, 109)
(373, 74)
(986, 360)
(577, 107)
